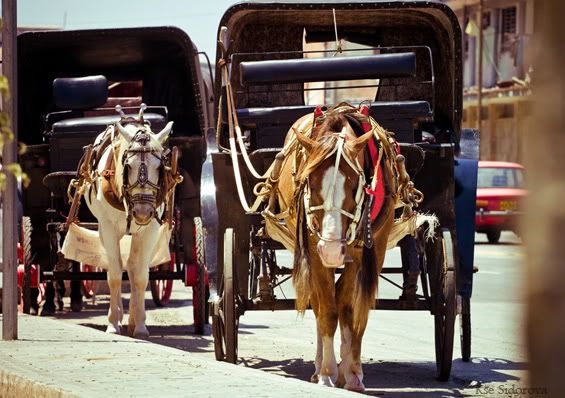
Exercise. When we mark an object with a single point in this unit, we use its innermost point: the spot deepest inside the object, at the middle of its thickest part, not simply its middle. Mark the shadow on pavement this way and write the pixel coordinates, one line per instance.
(401, 379)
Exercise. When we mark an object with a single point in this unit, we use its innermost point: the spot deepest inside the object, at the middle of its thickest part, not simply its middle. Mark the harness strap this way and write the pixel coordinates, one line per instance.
(109, 189)
(329, 204)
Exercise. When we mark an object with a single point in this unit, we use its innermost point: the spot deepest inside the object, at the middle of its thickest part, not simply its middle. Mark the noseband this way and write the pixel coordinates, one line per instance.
(329, 204)
(143, 150)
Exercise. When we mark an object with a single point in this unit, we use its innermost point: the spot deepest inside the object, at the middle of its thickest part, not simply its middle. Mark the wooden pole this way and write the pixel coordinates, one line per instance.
(9, 155)
(480, 70)
(545, 217)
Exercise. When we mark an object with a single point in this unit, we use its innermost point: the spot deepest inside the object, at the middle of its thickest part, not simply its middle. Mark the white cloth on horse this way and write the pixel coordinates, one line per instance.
(84, 245)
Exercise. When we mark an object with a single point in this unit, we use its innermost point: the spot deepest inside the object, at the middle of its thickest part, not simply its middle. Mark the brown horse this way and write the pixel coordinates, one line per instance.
(321, 192)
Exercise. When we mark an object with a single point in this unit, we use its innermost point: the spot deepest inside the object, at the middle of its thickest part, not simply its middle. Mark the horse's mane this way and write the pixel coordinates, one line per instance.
(326, 136)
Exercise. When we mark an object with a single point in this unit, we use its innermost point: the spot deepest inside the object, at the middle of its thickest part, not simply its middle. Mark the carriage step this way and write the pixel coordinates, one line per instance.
(382, 304)
(48, 276)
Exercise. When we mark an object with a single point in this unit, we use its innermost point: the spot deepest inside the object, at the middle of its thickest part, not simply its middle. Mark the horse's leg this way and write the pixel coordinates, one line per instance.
(76, 293)
(352, 334)
(315, 378)
(60, 293)
(323, 298)
(350, 370)
(132, 300)
(111, 241)
(138, 268)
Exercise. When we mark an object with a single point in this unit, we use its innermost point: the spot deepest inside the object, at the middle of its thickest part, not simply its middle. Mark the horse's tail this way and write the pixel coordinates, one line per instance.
(301, 273)
(365, 289)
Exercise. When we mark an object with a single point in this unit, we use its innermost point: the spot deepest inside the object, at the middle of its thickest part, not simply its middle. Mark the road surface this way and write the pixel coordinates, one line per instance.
(398, 347)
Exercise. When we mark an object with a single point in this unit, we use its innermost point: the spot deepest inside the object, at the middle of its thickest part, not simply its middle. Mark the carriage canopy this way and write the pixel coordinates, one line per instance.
(288, 27)
(159, 64)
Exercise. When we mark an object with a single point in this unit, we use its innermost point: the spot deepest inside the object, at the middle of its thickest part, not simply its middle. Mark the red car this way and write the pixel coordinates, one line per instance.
(500, 190)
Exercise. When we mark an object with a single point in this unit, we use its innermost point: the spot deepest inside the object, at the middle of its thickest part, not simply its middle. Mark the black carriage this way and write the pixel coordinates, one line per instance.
(409, 52)
(69, 83)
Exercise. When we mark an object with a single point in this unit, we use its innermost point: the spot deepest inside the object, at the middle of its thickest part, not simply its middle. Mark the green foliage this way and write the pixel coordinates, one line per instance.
(7, 135)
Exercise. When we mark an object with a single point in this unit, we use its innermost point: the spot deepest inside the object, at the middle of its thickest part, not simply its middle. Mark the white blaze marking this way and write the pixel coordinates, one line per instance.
(331, 223)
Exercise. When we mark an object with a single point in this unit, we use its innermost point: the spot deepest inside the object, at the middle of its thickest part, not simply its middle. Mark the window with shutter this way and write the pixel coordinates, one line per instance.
(508, 28)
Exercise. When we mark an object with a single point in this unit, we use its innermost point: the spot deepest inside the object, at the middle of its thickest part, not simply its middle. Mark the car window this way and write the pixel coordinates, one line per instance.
(491, 177)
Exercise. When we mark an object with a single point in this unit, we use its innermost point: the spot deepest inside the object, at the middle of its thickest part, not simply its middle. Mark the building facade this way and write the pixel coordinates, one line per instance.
(508, 59)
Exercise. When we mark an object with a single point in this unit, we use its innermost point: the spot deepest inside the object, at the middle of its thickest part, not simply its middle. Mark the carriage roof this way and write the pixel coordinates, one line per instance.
(263, 26)
(163, 58)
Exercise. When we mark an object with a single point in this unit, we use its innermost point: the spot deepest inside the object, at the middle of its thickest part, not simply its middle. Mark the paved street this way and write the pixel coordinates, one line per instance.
(398, 351)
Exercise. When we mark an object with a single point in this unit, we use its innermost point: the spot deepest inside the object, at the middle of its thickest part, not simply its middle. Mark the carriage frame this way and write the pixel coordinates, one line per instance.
(165, 68)
(241, 261)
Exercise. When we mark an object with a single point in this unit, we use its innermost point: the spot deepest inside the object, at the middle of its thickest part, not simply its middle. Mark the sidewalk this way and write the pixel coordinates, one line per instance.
(57, 359)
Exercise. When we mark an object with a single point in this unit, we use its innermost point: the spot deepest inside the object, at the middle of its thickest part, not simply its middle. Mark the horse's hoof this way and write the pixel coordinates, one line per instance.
(355, 384)
(131, 329)
(340, 383)
(315, 378)
(111, 329)
(76, 306)
(141, 333)
(47, 310)
(326, 381)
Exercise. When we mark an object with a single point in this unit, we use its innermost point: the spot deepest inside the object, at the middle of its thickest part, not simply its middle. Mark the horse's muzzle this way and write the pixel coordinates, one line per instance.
(332, 253)
(143, 213)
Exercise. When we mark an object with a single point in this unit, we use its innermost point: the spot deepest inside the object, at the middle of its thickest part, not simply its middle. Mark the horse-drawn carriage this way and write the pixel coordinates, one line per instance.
(275, 64)
(70, 83)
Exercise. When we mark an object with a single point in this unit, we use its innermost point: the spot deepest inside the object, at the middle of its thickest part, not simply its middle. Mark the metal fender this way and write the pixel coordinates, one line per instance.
(466, 168)
(209, 212)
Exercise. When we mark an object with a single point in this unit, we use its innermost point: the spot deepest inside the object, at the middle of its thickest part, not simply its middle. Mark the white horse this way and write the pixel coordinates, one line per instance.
(127, 195)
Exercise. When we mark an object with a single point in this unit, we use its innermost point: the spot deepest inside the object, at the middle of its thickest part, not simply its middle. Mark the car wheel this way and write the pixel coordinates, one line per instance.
(493, 236)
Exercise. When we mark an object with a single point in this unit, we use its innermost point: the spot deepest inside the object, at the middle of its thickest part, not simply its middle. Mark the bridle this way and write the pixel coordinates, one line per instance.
(329, 202)
(140, 141)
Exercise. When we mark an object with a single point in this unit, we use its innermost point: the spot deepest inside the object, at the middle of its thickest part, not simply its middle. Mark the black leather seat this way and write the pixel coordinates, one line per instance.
(68, 136)
(304, 70)
(272, 124)
(415, 110)
(96, 124)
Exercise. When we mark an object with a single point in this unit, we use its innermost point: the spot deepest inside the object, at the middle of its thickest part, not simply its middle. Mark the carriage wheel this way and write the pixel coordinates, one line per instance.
(30, 297)
(199, 299)
(26, 292)
(465, 326)
(161, 289)
(89, 287)
(225, 323)
(254, 270)
(446, 309)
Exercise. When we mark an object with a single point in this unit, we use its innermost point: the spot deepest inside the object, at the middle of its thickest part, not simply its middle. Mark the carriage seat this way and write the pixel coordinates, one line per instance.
(82, 119)
(58, 182)
(379, 110)
(272, 124)
(96, 124)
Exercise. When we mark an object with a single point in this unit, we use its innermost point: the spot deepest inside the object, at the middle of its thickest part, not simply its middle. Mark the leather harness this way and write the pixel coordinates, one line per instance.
(108, 186)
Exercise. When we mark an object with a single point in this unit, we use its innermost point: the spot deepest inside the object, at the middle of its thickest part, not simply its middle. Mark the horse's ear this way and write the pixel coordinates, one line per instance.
(359, 143)
(164, 134)
(305, 141)
(124, 133)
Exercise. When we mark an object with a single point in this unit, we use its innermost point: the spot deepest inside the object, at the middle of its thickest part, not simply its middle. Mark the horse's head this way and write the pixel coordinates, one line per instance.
(143, 169)
(334, 182)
